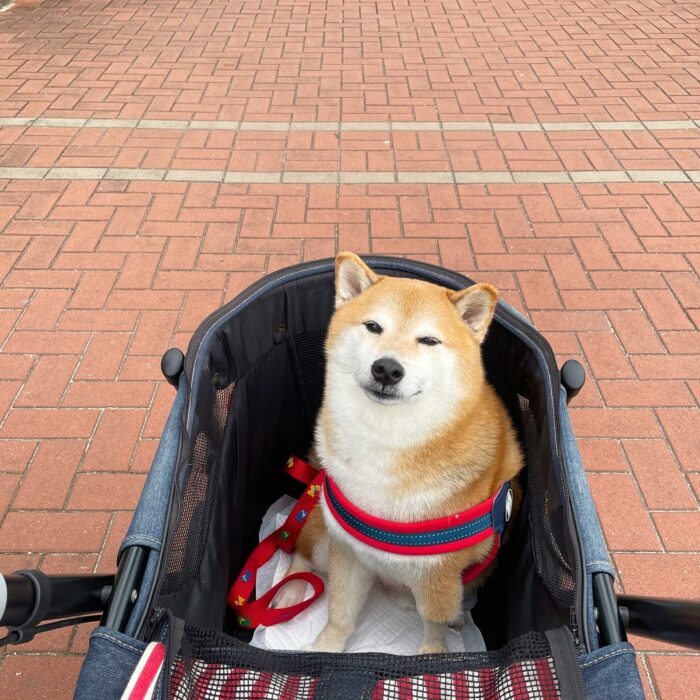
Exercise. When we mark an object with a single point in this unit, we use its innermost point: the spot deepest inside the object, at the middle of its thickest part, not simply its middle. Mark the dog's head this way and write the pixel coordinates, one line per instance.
(397, 342)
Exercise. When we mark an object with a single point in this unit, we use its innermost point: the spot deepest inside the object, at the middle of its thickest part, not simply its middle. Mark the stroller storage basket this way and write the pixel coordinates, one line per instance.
(532, 666)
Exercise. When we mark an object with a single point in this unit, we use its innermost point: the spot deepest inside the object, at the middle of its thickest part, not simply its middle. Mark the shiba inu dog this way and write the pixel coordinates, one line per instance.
(409, 430)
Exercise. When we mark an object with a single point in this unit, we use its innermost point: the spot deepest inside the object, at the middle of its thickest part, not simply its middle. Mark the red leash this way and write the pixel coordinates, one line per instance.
(257, 612)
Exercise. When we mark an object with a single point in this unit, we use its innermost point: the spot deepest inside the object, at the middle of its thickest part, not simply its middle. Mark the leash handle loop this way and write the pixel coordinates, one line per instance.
(255, 613)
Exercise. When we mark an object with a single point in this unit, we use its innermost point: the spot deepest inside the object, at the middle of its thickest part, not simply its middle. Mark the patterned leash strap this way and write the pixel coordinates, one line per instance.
(255, 613)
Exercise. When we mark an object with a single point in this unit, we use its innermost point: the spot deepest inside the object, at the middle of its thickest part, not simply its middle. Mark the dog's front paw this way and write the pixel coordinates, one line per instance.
(331, 640)
(432, 648)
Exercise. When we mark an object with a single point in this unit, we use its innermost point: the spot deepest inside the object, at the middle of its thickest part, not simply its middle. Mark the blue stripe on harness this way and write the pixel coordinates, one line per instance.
(435, 537)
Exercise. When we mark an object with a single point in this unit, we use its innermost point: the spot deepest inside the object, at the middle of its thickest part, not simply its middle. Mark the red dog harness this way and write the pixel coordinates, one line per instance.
(425, 537)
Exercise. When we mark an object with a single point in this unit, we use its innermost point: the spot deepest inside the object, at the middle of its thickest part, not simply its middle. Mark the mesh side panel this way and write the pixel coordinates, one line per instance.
(309, 348)
(214, 666)
(195, 502)
(551, 562)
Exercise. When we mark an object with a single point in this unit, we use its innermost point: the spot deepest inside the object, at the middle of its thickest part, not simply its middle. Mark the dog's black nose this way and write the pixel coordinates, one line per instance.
(387, 371)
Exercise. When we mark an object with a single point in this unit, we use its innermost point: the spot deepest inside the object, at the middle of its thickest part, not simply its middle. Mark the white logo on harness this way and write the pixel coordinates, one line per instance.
(509, 504)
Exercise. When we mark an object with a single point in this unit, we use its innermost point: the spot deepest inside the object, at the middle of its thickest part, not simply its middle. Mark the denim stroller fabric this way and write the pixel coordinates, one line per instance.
(109, 663)
(611, 673)
(590, 533)
(112, 656)
(595, 551)
(148, 524)
(605, 670)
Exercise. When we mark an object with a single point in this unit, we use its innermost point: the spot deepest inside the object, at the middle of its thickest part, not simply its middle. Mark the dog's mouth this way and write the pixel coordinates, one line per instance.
(382, 395)
(386, 395)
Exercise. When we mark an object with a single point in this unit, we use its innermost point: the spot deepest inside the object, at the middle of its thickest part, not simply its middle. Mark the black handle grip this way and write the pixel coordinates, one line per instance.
(19, 599)
(33, 596)
(673, 621)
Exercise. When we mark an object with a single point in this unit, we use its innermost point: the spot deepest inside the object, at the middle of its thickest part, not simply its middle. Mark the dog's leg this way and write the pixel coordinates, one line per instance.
(439, 602)
(349, 584)
(293, 592)
(433, 638)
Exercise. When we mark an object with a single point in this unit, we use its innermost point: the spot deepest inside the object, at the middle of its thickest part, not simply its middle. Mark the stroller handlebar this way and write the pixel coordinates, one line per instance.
(27, 598)
(665, 619)
(17, 599)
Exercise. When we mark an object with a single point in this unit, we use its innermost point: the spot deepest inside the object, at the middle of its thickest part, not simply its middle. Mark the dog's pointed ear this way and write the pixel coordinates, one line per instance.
(352, 277)
(476, 305)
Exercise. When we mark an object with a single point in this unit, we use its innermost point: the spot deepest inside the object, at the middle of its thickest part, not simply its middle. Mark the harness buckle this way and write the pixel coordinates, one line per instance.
(508, 508)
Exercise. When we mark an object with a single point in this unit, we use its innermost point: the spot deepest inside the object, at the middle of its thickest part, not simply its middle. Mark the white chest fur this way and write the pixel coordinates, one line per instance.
(368, 480)
(398, 569)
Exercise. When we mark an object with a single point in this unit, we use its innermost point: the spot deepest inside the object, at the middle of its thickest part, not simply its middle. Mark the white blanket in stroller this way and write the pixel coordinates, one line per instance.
(383, 625)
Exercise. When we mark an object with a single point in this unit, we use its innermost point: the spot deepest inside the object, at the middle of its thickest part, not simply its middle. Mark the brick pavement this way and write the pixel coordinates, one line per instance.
(156, 158)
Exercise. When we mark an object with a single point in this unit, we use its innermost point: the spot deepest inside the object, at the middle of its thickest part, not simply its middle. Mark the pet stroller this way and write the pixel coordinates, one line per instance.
(247, 395)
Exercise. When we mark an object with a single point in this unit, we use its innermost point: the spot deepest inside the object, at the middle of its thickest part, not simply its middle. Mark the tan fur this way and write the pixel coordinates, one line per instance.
(475, 451)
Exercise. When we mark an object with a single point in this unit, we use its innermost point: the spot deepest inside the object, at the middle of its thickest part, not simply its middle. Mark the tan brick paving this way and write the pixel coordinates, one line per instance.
(551, 148)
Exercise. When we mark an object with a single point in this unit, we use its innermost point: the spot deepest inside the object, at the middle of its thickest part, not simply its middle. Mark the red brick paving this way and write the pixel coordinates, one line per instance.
(379, 150)
(99, 277)
(318, 62)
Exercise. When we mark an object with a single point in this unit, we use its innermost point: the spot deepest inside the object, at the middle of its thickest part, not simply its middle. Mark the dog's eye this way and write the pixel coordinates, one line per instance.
(428, 340)
(373, 327)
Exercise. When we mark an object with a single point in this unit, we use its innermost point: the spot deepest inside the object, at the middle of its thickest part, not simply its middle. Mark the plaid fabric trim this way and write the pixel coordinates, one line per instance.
(204, 681)
(525, 680)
